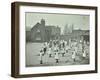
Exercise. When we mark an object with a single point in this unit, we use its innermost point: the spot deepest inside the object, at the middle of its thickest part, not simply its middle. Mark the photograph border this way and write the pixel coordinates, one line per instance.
(15, 33)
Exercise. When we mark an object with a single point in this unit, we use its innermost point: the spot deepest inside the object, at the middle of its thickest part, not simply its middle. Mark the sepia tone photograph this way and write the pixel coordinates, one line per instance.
(56, 39)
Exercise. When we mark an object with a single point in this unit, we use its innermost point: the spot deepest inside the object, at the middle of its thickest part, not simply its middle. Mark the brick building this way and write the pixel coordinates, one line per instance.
(41, 32)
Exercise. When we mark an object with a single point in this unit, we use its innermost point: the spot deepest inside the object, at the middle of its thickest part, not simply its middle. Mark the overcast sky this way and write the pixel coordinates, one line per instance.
(79, 21)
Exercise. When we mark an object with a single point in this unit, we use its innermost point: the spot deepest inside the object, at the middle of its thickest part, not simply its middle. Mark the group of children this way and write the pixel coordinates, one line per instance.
(55, 48)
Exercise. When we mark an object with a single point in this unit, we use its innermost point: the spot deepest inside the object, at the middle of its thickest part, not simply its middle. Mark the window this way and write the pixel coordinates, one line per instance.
(38, 30)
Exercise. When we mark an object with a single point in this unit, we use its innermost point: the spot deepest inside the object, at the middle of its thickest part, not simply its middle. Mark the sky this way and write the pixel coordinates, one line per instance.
(61, 20)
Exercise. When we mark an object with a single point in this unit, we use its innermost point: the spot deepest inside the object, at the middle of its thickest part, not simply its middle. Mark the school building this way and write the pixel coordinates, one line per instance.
(41, 32)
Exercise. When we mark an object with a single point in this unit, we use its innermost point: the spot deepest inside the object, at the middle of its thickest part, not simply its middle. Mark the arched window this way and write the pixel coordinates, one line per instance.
(38, 30)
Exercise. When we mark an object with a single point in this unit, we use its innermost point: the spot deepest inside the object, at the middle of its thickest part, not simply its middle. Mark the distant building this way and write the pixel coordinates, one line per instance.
(68, 29)
(71, 33)
(77, 34)
(81, 34)
(41, 32)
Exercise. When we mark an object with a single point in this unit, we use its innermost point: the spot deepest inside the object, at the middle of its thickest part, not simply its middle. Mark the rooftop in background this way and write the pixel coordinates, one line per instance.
(79, 21)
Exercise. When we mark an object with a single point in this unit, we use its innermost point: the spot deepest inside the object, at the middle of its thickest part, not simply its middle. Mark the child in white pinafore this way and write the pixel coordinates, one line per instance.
(73, 55)
(49, 51)
(63, 52)
(40, 56)
(84, 50)
(57, 56)
(66, 48)
(84, 54)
